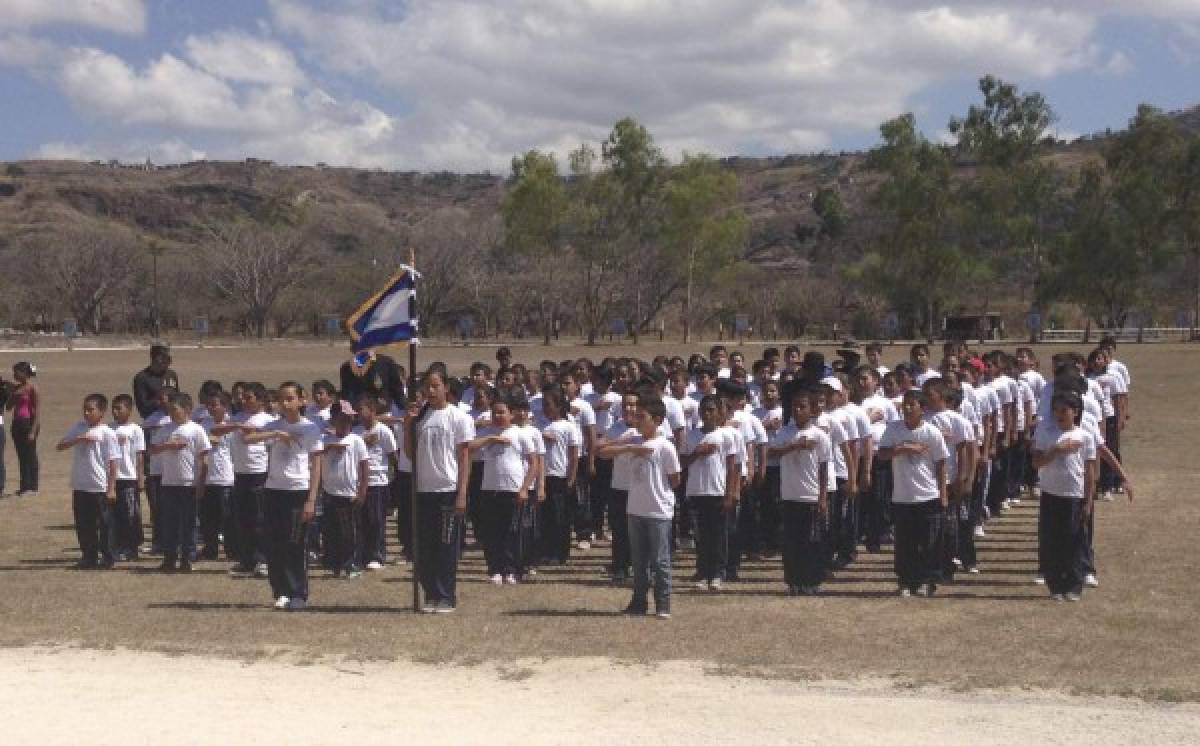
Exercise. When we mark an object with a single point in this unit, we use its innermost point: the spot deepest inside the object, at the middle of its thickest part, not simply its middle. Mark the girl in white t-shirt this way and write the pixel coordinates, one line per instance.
(508, 476)
(1065, 456)
(218, 484)
(381, 445)
(527, 524)
(290, 498)
(345, 470)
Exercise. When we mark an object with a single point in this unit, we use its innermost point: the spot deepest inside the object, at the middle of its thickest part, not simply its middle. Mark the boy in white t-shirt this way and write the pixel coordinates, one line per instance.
(918, 454)
(875, 507)
(770, 414)
(959, 434)
(183, 448)
(508, 477)
(711, 461)
(381, 445)
(250, 466)
(563, 440)
(655, 474)
(804, 453)
(131, 470)
(93, 482)
(1065, 456)
(345, 474)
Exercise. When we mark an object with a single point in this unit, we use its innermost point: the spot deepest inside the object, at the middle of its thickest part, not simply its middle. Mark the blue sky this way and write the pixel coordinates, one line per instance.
(466, 84)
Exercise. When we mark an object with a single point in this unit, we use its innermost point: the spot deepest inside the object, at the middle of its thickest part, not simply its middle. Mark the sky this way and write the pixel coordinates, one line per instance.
(464, 85)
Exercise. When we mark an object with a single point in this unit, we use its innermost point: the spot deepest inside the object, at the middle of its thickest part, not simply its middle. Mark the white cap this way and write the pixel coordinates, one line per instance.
(832, 382)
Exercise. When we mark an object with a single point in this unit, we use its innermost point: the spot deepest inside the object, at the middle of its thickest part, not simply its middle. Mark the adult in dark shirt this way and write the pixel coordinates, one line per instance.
(369, 373)
(153, 377)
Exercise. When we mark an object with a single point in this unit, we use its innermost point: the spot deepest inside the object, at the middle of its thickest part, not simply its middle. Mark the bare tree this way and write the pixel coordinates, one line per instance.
(447, 242)
(254, 263)
(78, 271)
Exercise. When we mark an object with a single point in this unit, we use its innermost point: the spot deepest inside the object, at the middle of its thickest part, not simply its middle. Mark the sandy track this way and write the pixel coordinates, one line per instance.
(55, 696)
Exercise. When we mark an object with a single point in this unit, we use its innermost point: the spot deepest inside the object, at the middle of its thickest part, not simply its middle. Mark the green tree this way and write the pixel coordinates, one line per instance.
(916, 262)
(704, 228)
(534, 210)
(1014, 197)
(1188, 218)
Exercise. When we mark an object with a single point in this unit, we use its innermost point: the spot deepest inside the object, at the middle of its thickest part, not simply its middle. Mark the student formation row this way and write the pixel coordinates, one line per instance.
(791, 456)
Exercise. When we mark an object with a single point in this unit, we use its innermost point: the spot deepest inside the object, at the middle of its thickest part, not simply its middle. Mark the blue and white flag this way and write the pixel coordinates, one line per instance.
(389, 316)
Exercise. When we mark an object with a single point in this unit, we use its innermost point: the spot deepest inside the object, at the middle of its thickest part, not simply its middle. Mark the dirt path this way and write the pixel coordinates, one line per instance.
(55, 696)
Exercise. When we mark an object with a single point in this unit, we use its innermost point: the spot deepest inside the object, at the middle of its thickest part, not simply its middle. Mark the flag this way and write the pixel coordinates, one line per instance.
(389, 316)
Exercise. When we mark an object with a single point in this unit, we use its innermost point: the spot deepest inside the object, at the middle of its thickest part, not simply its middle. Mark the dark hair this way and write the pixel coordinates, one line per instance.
(480, 367)
(222, 396)
(917, 395)
(770, 352)
(100, 400)
(210, 387)
(653, 406)
(874, 347)
(715, 349)
(603, 375)
(378, 406)
(181, 399)
(706, 369)
(918, 348)
(257, 390)
(323, 385)
(125, 399)
(26, 369)
(293, 386)
(503, 352)
(731, 390)
(553, 394)
(713, 399)
(1067, 399)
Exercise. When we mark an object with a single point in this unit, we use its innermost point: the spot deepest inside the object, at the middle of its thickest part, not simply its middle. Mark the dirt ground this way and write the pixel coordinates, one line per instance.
(528, 703)
(1135, 636)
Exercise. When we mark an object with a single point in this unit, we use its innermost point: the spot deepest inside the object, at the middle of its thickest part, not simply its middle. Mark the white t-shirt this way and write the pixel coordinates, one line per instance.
(622, 472)
(439, 436)
(1107, 383)
(378, 452)
(849, 433)
(1064, 476)
(837, 436)
(340, 467)
(914, 477)
(504, 466)
(153, 426)
(1024, 399)
(132, 441)
(690, 408)
(250, 458)
(1034, 380)
(752, 434)
(800, 471)
(605, 415)
(559, 436)
(862, 421)
(772, 422)
(319, 416)
(89, 462)
(1118, 367)
(179, 468)
(706, 475)
(399, 432)
(927, 375)
(955, 429)
(676, 418)
(650, 493)
(289, 463)
(220, 458)
(880, 411)
(585, 417)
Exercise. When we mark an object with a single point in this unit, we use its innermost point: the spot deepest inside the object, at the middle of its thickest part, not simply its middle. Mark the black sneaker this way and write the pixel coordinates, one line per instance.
(185, 566)
(636, 609)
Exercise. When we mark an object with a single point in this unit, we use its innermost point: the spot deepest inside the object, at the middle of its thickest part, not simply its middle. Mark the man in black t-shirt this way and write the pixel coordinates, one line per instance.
(153, 377)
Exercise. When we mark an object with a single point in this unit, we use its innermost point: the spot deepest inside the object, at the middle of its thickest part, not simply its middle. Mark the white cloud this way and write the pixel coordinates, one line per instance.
(167, 151)
(122, 16)
(235, 55)
(22, 50)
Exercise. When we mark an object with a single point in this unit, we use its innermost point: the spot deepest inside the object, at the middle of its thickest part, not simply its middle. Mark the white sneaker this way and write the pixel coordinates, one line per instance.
(973, 570)
(1057, 597)
(687, 543)
(1039, 580)
(957, 562)
(1035, 491)
(715, 585)
(497, 579)
(979, 534)
(281, 603)
(531, 572)
(905, 593)
(374, 565)
(701, 585)
(1015, 501)
(260, 570)
(583, 545)
(1005, 505)
(1072, 597)
(510, 579)
(1091, 580)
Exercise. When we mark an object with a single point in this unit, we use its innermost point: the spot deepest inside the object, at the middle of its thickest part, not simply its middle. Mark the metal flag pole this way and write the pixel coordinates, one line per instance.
(414, 533)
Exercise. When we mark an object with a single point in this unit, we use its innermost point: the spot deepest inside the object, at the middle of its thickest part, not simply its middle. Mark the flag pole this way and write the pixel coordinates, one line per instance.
(414, 533)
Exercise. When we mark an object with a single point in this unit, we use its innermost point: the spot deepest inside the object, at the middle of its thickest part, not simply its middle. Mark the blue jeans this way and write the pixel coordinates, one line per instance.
(650, 548)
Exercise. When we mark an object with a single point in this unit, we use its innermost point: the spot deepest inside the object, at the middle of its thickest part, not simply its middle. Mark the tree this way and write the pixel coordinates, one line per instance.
(445, 241)
(916, 261)
(80, 271)
(534, 209)
(704, 227)
(253, 263)
(1015, 194)
(1188, 219)
(1094, 266)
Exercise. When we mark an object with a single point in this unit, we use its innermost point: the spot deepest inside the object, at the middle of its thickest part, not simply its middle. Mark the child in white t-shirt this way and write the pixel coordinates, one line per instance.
(804, 453)
(527, 526)
(508, 477)
(1065, 456)
(942, 402)
(345, 474)
(918, 454)
(218, 487)
(183, 449)
(93, 482)
(655, 474)
(381, 445)
(563, 440)
(131, 470)
(710, 458)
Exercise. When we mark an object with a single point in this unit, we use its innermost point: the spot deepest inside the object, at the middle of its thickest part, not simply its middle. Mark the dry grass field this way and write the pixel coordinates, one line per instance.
(1136, 635)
